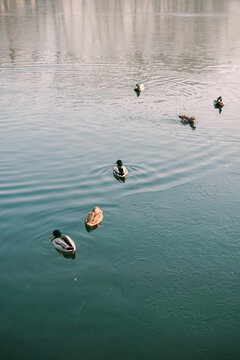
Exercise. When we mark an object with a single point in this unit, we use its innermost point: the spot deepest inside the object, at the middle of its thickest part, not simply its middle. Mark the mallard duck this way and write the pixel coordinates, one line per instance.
(187, 120)
(94, 218)
(120, 170)
(218, 102)
(139, 88)
(63, 243)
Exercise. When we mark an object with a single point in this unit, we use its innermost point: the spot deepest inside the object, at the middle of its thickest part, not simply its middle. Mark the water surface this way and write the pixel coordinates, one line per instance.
(160, 279)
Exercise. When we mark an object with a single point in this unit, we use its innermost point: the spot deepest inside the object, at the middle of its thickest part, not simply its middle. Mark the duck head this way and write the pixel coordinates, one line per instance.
(97, 209)
(119, 163)
(56, 233)
(182, 116)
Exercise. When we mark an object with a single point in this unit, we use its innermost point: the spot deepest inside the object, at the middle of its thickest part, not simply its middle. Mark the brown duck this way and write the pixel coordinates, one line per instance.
(187, 120)
(94, 217)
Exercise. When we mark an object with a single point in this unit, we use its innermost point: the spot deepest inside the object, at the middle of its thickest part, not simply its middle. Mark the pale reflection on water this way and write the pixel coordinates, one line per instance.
(113, 28)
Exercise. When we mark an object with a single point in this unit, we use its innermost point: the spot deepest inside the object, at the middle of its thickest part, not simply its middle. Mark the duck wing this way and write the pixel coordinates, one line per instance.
(120, 172)
(116, 171)
(124, 171)
(64, 243)
(93, 219)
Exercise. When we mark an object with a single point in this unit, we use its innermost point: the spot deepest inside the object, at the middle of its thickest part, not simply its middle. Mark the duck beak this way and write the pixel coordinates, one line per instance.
(52, 236)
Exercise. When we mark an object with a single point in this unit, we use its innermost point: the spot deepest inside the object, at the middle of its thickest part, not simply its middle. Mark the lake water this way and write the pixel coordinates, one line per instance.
(160, 279)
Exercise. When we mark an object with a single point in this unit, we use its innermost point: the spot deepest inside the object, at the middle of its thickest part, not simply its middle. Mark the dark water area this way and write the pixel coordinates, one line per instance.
(160, 278)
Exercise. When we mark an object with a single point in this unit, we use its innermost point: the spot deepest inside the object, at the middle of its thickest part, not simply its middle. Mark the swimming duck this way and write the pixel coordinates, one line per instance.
(187, 120)
(94, 218)
(219, 102)
(120, 170)
(139, 88)
(63, 243)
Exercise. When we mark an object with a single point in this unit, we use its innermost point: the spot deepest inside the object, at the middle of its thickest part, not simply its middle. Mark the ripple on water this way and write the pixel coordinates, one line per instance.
(177, 166)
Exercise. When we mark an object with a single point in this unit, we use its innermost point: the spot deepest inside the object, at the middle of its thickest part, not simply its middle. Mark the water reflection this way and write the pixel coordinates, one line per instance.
(119, 27)
(67, 255)
(91, 228)
(104, 5)
(120, 179)
(137, 92)
(191, 125)
(219, 108)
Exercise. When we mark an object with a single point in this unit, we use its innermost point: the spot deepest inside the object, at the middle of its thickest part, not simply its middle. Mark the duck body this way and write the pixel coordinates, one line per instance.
(94, 217)
(63, 243)
(218, 103)
(139, 88)
(120, 170)
(187, 120)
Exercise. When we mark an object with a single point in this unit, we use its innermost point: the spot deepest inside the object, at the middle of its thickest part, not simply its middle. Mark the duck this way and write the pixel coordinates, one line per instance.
(120, 170)
(187, 120)
(219, 103)
(139, 88)
(94, 217)
(63, 243)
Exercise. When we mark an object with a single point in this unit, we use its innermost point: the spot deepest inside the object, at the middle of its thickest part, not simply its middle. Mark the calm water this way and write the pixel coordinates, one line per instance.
(160, 279)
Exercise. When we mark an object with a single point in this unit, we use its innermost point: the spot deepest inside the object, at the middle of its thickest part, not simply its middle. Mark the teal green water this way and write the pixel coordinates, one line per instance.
(160, 279)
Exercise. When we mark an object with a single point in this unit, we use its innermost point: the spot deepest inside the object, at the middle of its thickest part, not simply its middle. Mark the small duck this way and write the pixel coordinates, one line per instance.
(94, 218)
(219, 103)
(187, 120)
(63, 243)
(139, 88)
(120, 170)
